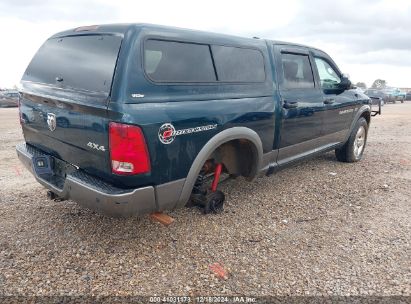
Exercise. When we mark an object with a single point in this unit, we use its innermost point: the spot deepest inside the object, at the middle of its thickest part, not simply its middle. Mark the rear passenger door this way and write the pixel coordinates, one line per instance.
(302, 103)
(339, 103)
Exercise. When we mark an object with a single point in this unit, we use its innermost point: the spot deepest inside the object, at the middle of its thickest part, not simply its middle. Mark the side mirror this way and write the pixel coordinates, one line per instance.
(345, 82)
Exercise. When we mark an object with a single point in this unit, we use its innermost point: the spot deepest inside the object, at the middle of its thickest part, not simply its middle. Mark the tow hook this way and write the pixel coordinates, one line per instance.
(209, 200)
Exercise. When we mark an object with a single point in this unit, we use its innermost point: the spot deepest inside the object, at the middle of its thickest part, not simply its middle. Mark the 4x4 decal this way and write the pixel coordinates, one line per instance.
(96, 146)
(167, 133)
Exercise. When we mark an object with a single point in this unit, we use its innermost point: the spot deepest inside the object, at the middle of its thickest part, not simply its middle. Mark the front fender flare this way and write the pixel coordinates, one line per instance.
(358, 114)
(216, 141)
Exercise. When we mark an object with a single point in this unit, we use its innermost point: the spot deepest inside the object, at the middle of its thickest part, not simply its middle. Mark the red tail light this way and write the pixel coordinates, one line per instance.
(128, 150)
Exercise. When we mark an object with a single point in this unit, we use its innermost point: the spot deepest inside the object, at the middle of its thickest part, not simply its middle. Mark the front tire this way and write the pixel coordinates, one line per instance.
(353, 149)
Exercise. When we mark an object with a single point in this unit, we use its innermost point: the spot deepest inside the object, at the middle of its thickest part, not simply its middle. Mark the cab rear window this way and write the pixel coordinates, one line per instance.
(78, 62)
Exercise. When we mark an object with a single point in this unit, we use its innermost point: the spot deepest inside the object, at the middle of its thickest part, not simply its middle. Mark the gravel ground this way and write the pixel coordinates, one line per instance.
(318, 228)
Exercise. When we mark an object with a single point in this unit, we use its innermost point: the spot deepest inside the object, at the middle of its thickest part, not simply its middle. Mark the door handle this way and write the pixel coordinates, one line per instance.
(290, 104)
(329, 101)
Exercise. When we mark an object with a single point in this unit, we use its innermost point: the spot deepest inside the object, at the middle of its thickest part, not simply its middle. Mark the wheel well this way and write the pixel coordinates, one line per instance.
(367, 116)
(239, 156)
(218, 147)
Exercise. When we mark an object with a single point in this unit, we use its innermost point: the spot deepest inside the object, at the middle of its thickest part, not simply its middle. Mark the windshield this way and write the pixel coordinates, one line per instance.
(77, 62)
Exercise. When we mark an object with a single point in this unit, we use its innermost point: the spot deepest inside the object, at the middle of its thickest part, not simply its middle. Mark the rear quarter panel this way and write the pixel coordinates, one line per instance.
(227, 105)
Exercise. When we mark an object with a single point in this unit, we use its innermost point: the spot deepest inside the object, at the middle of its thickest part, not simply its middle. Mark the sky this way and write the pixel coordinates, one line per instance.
(368, 39)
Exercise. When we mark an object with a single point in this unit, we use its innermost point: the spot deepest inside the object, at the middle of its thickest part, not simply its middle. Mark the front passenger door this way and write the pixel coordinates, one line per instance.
(339, 103)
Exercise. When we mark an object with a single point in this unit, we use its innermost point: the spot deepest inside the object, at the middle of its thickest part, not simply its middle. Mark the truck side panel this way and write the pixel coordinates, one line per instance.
(138, 100)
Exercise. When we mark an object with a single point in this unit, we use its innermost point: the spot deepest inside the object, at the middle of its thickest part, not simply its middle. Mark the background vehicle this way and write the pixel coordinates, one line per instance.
(394, 94)
(408, 96)
(377, 101)
(9, 99)
(399, 95)
(178, 108)
(383, 95)
(389, 92)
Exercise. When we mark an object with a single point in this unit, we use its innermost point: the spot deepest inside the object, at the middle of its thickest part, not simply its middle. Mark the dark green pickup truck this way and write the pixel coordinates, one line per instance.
(134, 118)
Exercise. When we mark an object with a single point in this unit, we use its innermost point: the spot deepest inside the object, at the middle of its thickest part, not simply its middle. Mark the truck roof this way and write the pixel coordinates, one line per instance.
(123, 28)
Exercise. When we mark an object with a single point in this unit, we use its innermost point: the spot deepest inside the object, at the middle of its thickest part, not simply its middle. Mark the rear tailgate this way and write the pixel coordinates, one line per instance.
(65, 92)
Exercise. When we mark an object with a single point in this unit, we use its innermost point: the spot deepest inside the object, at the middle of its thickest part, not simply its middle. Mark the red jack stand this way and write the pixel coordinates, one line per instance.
(215, 199)
(216, 179)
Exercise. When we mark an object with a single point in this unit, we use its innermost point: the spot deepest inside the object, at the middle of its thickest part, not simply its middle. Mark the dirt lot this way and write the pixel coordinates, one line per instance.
(319, 228)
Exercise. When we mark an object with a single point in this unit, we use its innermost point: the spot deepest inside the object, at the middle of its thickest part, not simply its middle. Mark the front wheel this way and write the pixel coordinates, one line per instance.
(353, 149)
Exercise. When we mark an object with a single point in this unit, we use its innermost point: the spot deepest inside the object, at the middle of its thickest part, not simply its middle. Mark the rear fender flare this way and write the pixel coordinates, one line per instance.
(216, 141)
